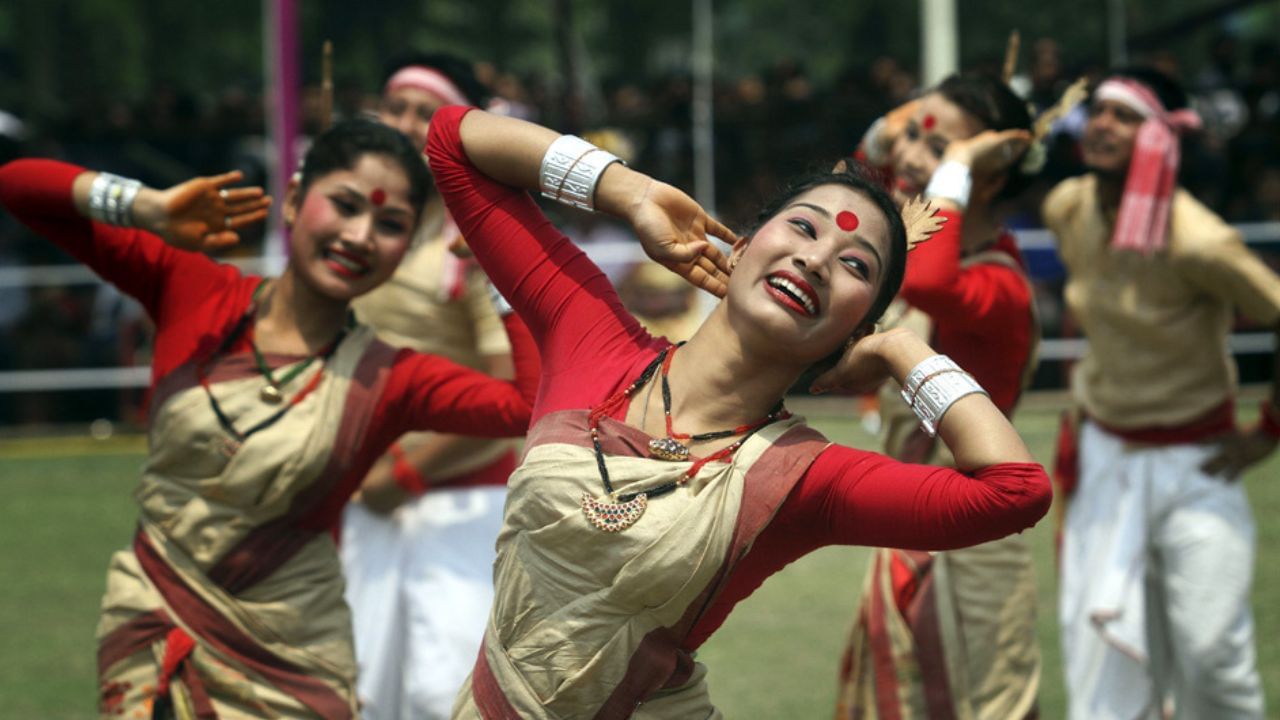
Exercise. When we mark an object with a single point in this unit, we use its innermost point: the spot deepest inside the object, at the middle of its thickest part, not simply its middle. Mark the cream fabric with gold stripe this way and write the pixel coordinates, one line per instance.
(1157, 326)
(202, 496)
(574, 605)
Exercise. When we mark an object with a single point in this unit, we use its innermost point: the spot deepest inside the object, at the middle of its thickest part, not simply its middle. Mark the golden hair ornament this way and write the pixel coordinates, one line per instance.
(921, 220)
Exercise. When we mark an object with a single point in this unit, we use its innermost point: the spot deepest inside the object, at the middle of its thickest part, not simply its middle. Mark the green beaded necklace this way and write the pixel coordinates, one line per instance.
(271, 392)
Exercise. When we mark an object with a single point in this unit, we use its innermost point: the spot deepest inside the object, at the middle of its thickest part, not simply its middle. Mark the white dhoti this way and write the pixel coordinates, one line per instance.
(1157, 563)
(420, 584)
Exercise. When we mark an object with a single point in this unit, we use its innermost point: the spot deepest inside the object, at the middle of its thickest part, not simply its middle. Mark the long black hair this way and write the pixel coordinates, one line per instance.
(341, 147)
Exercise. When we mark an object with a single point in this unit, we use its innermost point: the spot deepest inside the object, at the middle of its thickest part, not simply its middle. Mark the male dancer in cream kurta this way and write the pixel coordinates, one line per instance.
(1158, 543)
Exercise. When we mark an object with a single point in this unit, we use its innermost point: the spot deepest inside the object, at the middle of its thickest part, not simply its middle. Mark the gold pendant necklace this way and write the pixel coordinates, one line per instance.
(271, 395)
(613, 513)
(669, 449)
(613, 516)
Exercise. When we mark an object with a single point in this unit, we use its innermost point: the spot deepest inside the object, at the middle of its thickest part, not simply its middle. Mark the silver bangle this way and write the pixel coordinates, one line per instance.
(130, 194)
(571, 169)
(111, 199)
(925, 368)
(951, 181)
(933, 386)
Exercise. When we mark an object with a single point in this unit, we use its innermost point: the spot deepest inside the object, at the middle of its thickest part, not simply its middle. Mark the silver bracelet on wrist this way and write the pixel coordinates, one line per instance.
(111, 199)
(951, 181)
(571, 169)
(933, 386)
(500, 304)
(924, 369)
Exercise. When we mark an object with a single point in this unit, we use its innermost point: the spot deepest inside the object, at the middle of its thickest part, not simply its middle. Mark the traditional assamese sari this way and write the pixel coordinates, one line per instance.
(229, 601)
(952, 634)
(593, 624)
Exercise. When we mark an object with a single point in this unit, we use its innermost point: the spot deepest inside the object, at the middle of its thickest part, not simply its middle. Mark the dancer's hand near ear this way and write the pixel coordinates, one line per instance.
(879, 144)
(861, 369)
(672, 227)
(990, 152)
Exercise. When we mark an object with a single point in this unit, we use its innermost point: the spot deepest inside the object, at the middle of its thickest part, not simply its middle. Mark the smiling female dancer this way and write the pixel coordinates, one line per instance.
(418, 549)
(953, 634)
(661, 485)
(269, 404)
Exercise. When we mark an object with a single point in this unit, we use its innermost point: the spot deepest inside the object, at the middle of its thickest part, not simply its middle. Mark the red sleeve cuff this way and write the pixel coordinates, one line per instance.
(406, 475)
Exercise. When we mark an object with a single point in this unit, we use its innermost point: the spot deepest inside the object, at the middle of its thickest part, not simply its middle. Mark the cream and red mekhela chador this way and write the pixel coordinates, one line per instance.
(587, 623)
(1157, 556)
(229, 601)
(952, 634)
(420, 580)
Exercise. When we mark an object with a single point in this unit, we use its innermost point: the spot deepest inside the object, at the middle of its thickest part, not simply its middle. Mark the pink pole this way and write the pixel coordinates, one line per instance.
(280, 55)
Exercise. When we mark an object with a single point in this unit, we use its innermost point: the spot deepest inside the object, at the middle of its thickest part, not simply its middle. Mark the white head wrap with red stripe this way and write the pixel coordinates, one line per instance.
(429, 80)
(439, 86)
(1143, 221)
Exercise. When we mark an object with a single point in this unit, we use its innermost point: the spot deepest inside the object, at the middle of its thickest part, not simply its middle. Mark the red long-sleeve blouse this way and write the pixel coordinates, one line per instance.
(195, 301)
(591, 346)
(982, 312)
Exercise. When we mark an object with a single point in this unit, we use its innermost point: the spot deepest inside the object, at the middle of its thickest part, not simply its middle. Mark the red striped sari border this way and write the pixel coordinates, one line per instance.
(269, 546)
(210, 627)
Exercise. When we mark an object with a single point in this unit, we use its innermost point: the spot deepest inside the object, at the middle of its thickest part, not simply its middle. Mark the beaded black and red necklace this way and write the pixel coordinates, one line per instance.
(275, 396)
(622, 511)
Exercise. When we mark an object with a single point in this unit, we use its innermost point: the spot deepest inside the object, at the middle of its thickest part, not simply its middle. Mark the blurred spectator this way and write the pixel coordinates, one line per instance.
(768, 121)
(662, 301)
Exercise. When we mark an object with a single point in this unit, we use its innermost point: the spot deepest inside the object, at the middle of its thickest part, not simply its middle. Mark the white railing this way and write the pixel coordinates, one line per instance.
(611, 253)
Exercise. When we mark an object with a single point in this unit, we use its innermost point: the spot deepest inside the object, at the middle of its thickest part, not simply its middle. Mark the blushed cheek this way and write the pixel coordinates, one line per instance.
(316, 212)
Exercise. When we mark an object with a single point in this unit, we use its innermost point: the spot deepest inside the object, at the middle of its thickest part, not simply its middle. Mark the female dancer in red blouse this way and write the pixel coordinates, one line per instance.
(269, 404)
(953, 634)
(417, 550)
(661, 485)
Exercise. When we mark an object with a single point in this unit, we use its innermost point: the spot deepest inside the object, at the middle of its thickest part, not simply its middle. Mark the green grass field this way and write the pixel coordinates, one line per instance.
(67, 507)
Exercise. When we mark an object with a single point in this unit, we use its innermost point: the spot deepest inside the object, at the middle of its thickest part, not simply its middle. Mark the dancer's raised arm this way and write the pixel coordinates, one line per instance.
(671, 226)
(135, 252)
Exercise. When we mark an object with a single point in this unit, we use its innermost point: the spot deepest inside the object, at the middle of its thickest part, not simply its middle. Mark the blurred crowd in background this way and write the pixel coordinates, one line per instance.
(766, 125)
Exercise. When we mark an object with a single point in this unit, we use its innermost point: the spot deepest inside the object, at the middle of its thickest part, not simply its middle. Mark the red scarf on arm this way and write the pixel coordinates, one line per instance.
(1143, 222)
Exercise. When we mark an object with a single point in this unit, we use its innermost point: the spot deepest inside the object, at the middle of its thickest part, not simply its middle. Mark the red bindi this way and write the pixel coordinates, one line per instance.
(847, 221)
(929, 122)
(378, 196)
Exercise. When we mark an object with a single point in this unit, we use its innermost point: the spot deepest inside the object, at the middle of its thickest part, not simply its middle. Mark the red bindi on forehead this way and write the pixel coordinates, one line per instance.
(378, 197)
(930, 122)
(847, 221)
